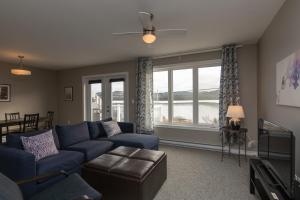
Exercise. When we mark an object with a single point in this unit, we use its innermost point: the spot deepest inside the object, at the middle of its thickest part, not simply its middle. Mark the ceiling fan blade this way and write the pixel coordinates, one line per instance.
(127, 33)
(171, 33)
(175, 31)
(146, 20)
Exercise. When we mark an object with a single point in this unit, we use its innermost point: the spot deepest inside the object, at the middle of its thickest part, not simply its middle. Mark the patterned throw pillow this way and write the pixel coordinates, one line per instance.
(111, 128)
(41, 145)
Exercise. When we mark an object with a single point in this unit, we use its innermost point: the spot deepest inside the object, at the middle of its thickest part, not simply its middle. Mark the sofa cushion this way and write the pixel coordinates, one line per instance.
(92, 148)
(65, 160)
(14, 140)
(41, 145)
(72, 134)
(111, 128)
(135, 140)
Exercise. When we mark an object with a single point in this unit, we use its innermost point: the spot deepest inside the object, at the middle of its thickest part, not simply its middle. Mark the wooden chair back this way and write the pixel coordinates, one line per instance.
(31, 122)
(50, 116)
(12, 116)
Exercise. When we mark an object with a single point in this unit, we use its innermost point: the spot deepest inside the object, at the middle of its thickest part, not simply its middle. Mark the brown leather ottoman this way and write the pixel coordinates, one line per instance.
(127, 173)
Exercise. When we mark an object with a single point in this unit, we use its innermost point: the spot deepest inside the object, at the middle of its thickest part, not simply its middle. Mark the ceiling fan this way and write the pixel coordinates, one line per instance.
(150, 33)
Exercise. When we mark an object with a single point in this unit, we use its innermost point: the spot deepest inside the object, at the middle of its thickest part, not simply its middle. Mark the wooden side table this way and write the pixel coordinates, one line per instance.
(242, 132)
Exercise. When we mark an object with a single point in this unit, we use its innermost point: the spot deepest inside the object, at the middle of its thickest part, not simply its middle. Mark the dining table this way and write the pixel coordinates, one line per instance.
(15, 122)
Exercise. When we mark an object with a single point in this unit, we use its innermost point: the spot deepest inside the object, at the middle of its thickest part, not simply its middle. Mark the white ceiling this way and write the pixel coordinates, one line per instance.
(59, 34)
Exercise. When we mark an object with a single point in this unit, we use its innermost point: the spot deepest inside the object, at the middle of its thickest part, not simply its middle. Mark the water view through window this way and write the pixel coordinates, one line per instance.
(182, 102)
(183, 96)
(208, 96)
(160, 97)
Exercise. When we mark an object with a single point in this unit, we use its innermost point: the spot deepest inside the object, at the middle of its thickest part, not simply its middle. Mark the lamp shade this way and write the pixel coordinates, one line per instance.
(20, 72)
(235, 112)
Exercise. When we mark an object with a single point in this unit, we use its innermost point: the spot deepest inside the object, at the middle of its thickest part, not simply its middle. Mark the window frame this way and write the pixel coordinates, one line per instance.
(187, 65)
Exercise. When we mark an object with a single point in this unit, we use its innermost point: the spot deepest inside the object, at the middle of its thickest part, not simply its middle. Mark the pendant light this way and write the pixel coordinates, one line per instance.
(20, 71)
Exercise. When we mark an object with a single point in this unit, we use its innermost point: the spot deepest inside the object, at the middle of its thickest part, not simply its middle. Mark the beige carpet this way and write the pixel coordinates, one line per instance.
(200, 175)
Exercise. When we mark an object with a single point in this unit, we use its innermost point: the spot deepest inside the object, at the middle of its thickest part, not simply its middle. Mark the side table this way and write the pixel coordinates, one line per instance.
(242, 132)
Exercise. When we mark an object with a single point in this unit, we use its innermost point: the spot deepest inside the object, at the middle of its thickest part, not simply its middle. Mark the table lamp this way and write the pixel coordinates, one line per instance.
(235, 113)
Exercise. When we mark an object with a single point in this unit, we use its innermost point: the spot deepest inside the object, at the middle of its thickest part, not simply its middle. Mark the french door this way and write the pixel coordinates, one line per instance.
(106, 96)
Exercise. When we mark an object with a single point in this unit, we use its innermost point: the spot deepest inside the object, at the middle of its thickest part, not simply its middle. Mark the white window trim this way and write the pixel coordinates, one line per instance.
(187, 65)
(186, 127)
(198, 64)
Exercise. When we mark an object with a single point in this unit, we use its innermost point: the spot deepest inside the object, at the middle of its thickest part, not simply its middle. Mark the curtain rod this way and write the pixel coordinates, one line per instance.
(191, 52)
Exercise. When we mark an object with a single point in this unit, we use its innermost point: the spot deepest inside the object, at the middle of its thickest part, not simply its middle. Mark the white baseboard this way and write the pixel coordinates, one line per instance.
(206, 147)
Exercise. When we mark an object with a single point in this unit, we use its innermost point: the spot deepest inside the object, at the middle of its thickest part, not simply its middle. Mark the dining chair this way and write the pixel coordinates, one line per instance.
(10, 117)
(31, 122)
(49, 120)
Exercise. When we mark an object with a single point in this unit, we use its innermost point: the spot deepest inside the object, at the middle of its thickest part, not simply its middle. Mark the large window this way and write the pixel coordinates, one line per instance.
(187, 95)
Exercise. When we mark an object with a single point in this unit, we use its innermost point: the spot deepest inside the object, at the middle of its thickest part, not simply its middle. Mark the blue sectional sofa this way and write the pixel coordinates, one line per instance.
(77, 144)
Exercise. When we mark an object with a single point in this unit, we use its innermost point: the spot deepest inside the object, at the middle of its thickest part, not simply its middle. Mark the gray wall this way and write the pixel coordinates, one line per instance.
(72, 111)
(280, 40)
(33, 94)
(247, 59)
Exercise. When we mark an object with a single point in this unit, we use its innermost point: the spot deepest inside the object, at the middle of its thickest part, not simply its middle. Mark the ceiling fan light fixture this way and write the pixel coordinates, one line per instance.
(149, 37)
(20, 71)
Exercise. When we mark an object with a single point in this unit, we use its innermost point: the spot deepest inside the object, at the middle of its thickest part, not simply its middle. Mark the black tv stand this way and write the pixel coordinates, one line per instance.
(263, 184)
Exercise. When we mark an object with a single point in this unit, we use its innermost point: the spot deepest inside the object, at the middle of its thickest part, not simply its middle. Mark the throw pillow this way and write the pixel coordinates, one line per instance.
(41, 145)
(111, 128)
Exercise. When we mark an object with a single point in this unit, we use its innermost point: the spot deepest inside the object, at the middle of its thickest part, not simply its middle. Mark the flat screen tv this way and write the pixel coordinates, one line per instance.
(276, 147)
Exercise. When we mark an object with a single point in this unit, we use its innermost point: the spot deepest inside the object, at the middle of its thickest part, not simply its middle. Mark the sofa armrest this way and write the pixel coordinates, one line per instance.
(17, 164)
(127, 127)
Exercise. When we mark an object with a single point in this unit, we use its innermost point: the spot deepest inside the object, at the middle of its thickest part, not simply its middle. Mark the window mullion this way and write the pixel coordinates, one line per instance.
(195, 96)
(170, 98)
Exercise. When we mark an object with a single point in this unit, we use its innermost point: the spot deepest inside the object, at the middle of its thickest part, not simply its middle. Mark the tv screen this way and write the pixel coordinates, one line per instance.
(276, 148)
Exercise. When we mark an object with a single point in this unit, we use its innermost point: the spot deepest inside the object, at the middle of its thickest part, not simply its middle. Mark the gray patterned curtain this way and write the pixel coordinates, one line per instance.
(229, 85)
(144, 101)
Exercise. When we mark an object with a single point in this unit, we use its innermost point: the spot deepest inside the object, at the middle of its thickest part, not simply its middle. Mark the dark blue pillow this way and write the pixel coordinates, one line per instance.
(96, 129)
(14, 140)
(72, 134)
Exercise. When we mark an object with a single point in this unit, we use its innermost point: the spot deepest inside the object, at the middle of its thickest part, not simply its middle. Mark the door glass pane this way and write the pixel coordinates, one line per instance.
(117, 101)
(183, 96)
(96, 101)
(160, 96)
(208, 98)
